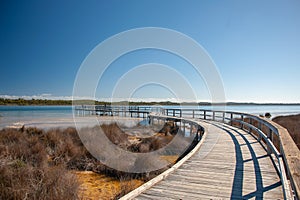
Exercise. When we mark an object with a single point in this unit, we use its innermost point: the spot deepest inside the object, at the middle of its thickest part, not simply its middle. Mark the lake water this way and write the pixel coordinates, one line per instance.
(18, 115)
(275, 110)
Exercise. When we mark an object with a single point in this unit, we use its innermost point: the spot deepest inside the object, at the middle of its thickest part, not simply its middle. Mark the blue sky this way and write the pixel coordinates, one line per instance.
(254, 44)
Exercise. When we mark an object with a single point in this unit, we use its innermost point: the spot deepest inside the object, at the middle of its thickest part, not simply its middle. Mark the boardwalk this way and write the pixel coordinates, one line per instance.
(230, 164)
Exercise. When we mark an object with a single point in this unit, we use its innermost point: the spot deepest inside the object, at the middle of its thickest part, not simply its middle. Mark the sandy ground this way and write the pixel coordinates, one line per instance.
(64, 122)
(98, 186)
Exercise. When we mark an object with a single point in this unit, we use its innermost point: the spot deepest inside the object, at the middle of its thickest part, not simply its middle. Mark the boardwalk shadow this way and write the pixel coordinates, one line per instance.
(237, 188)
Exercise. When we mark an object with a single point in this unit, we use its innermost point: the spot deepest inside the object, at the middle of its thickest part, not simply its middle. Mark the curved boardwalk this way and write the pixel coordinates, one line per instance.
(230, 164)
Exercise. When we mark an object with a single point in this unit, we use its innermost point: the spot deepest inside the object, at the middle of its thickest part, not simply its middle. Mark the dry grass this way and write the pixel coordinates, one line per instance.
(292, 124)
(38, 164)
(164, 136)
(96, 185)
(116, 135)
(25, 172)
(171, 158)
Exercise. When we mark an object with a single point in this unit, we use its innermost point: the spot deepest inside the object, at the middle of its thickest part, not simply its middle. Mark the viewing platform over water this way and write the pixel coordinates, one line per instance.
(108, 110)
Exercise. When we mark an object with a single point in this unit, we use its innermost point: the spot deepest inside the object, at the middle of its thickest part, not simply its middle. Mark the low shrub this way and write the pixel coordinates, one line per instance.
(37, 164)
(24, 169)
(291, 123)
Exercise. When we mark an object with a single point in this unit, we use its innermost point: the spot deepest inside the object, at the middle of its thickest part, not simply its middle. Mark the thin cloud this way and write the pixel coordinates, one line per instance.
(51, 97)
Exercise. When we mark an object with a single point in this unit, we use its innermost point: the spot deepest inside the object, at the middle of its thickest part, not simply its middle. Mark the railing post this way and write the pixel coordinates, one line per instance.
(204, 114)
(193, 113)
(231, 118)
(214, 116)
(198, 133)
(250, 129)
(269, 137)
(259, 135)
(242, 119)
(191, 129)
(184, 128)
(223, 117)
(173, 112)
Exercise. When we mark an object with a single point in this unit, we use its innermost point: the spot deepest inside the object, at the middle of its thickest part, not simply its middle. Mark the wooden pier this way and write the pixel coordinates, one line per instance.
(107, 110)
(241, 156)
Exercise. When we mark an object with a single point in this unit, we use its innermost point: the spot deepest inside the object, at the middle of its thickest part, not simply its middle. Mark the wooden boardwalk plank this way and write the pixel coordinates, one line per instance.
(230, 164)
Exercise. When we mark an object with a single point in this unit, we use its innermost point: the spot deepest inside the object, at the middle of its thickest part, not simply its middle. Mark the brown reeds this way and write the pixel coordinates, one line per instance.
(292, 124)
(25, 172)
(37, 164)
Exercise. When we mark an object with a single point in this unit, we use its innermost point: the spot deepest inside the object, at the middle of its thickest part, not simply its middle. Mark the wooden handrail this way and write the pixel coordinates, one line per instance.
(287, 155)
(291, 156)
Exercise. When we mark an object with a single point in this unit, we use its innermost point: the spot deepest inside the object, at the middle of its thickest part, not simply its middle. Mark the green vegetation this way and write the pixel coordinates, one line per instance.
(24, 102)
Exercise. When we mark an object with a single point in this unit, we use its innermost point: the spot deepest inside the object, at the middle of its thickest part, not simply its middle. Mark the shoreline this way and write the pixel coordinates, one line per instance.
(67, 120)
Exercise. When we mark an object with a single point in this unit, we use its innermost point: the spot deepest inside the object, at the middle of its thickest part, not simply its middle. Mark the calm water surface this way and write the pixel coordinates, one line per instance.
(19, 114)
(14, 115)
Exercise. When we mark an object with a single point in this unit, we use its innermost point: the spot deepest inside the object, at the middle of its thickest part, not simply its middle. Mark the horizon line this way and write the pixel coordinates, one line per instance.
(137, 100)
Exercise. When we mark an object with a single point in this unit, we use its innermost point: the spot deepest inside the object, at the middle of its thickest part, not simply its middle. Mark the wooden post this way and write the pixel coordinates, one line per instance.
(250, 129)
(242, 119)
(204, 113)
(259, 135)
(197, 133)
(269, 151)
(184, 128)
(223, 118)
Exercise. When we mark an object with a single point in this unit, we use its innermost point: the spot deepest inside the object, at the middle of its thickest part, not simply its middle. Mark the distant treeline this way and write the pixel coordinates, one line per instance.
(24, 102)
